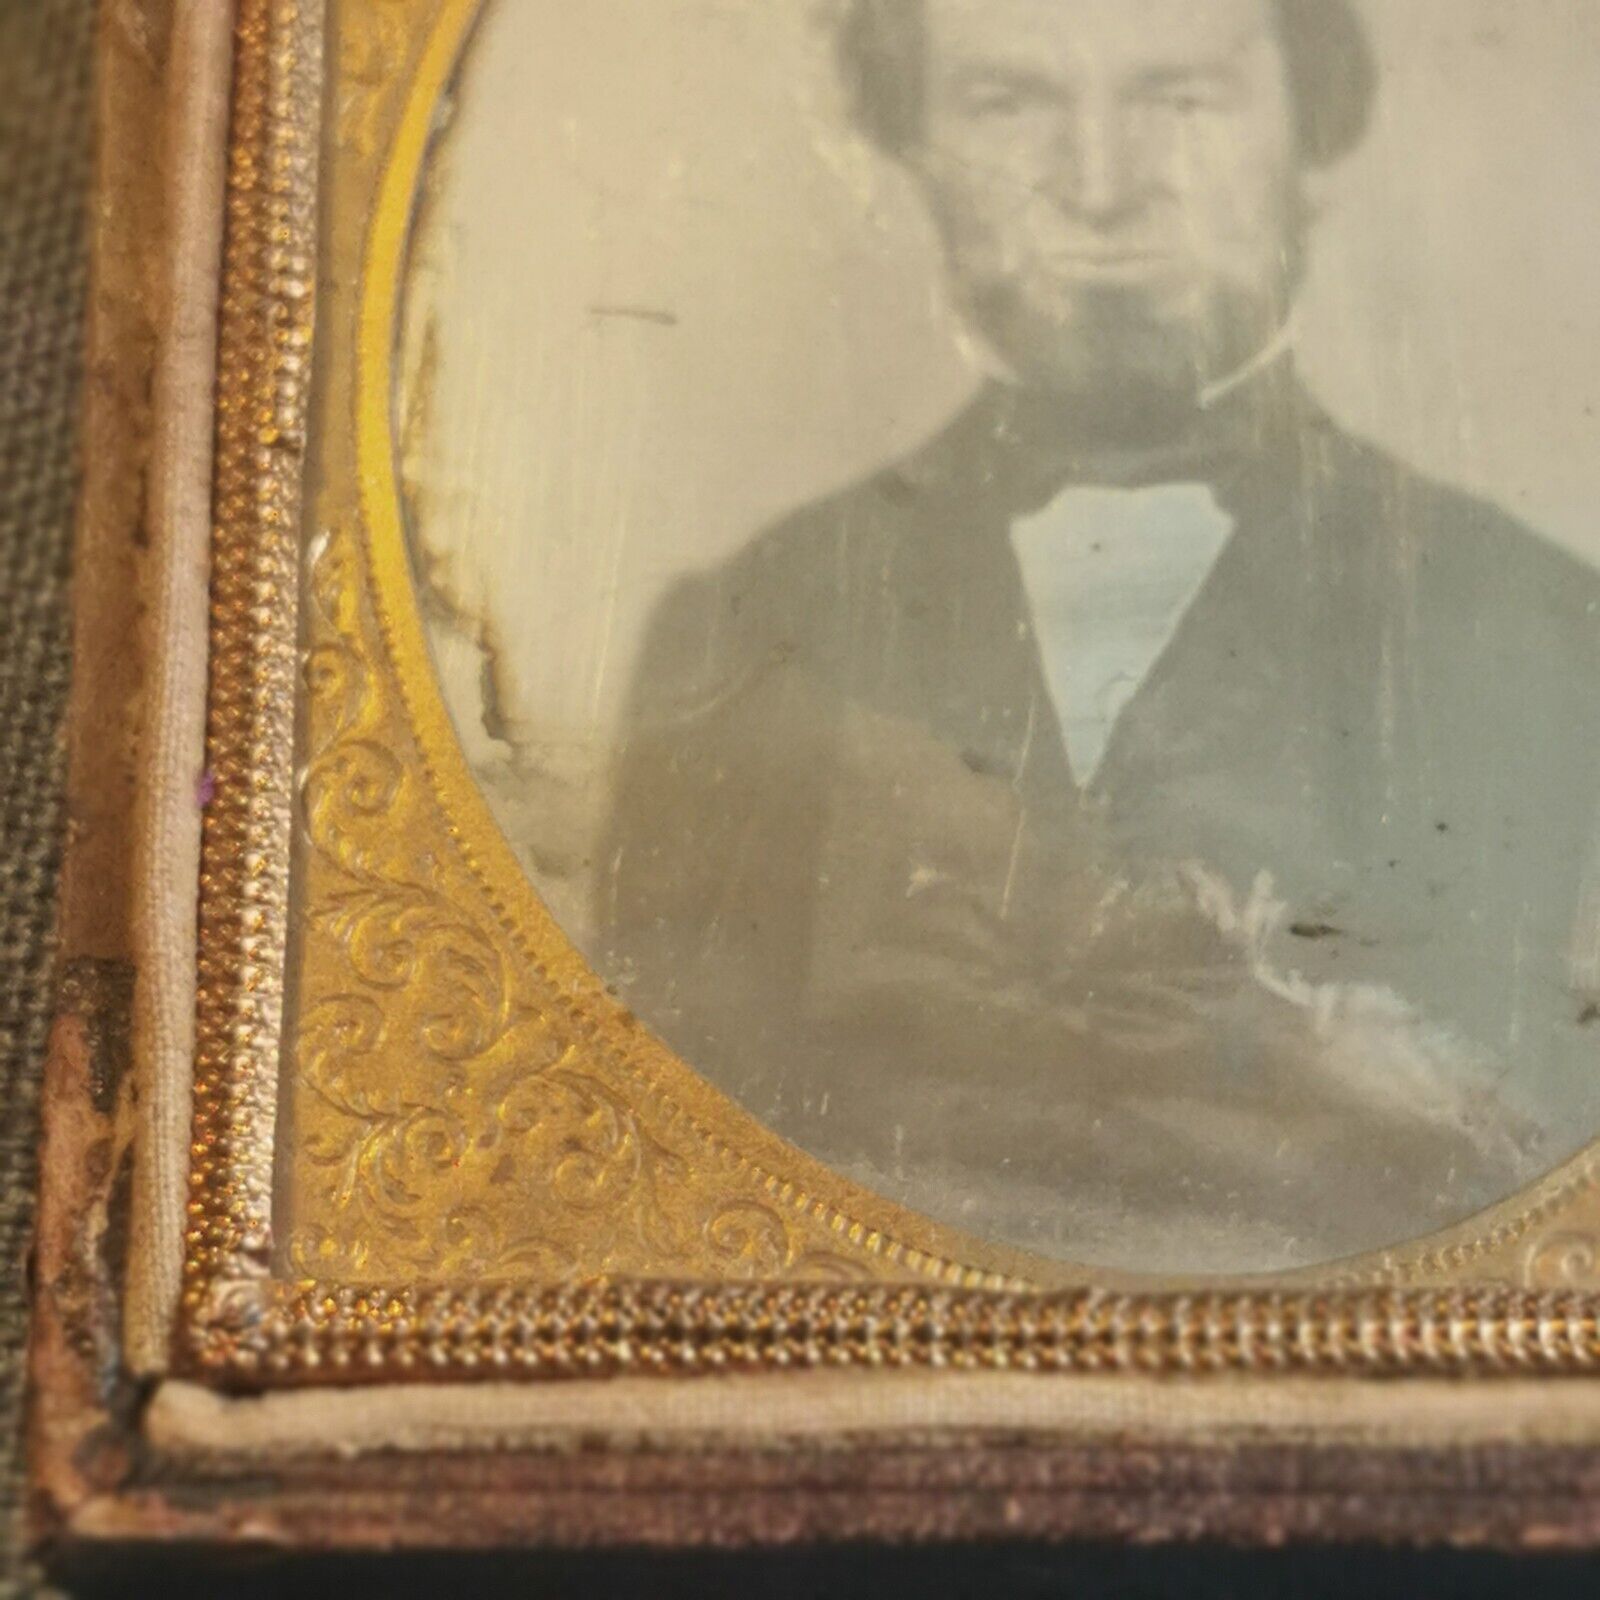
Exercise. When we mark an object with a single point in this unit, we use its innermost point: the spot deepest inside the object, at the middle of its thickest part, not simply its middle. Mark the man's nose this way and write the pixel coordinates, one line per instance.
(1098, 164)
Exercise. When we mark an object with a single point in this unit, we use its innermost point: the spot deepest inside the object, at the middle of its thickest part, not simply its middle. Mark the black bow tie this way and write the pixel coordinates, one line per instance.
(1042, 447)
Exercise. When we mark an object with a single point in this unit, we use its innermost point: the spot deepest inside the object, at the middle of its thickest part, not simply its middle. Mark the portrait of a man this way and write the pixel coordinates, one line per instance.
(1147, 823)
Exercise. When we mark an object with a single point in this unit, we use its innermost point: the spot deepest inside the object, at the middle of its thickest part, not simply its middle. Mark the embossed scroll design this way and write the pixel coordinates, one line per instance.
(470, 1115)
(466, 1102)
(435, 1068)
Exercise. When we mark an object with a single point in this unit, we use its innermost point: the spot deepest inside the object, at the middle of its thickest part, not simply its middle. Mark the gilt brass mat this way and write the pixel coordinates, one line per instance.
(488, 1166)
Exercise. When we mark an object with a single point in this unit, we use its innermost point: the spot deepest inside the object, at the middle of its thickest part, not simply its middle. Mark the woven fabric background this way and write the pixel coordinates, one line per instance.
(45, 141)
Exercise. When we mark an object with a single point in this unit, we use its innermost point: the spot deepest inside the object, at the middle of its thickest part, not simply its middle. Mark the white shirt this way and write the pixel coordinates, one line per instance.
(1110, 574)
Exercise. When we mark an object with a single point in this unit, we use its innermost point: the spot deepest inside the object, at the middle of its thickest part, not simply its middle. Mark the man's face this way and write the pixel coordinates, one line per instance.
(1116, 183)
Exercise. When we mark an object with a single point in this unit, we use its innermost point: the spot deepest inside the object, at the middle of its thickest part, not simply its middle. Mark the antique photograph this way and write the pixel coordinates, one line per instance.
(1021, 577)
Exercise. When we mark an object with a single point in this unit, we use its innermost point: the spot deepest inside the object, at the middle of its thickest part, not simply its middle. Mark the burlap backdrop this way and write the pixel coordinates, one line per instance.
(44, 173)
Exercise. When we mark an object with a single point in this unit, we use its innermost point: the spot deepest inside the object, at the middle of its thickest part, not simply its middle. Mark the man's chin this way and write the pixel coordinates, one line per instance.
(1122, 378)
(1116, 405)
(1129, 368)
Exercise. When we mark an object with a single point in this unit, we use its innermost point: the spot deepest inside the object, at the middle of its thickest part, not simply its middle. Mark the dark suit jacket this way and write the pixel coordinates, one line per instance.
(1305, 970)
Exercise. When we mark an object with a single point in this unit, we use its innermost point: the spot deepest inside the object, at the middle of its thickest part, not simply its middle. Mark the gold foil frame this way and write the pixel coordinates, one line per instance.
(487, 1166)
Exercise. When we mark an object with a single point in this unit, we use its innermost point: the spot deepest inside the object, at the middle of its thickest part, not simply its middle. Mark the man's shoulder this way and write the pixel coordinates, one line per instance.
(775, 575)
(782, 595)
(1463, 550)
(840, 543)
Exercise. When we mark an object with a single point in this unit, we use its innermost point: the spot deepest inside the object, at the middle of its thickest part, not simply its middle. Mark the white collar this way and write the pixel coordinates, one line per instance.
(1110, 574)
(1279, 345)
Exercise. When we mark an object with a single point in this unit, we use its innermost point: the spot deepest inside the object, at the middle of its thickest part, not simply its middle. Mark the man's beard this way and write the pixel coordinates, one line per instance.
(1125, 374)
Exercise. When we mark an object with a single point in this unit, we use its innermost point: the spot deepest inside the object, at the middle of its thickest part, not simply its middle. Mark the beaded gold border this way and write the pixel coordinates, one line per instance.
(263, 384)
(244, 1326)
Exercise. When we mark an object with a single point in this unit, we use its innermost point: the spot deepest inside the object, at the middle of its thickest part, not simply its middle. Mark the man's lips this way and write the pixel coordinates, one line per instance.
(1112, 263)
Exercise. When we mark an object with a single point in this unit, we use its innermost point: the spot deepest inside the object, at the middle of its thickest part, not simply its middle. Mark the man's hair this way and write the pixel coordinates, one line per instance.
(1333, 77)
